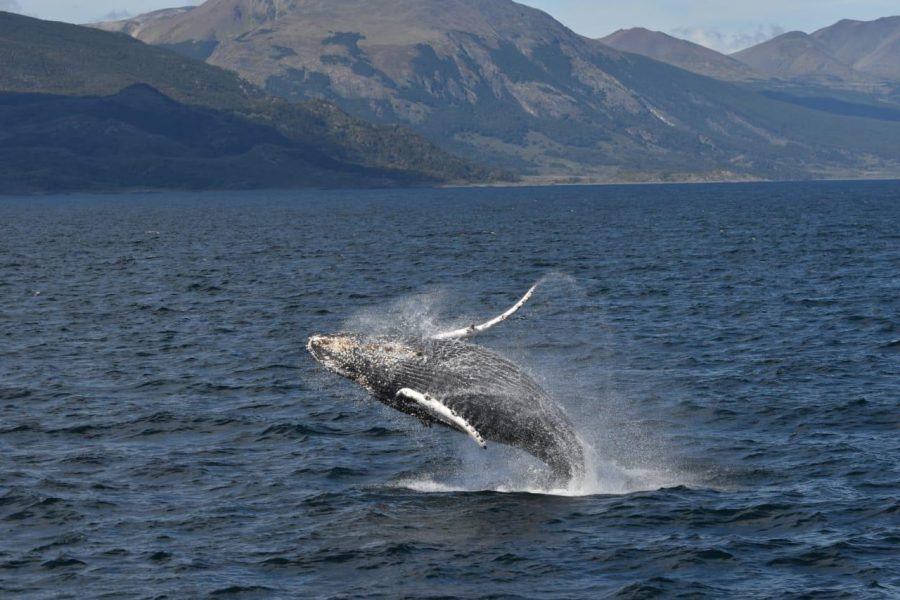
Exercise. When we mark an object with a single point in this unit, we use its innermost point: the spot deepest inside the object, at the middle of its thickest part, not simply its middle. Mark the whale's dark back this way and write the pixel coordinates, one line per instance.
(503, 402)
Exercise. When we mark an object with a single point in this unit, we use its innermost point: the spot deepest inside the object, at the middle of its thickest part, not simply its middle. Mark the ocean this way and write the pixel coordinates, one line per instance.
(729, 353)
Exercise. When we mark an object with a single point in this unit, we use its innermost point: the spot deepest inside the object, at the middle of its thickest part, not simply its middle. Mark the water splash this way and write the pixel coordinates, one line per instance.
(424, 314)
(415, 315)
(519, 473)
(619, 459)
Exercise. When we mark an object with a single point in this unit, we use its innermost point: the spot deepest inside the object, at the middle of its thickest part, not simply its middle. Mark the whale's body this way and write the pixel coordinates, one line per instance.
(445, 381)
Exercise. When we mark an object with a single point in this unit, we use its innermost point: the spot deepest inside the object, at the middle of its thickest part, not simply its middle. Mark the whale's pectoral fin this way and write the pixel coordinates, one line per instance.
(475, 329)
(442, 412)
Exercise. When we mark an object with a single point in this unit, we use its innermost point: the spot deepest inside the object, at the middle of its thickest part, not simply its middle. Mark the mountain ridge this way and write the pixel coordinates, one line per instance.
(847, 51)
(680, 53)
(822, 71)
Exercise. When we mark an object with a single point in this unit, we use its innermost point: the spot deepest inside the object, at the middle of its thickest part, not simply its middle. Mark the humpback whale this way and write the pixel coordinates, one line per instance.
(446, 381)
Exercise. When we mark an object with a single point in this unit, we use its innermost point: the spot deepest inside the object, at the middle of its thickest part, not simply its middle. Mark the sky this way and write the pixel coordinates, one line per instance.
(724, 25)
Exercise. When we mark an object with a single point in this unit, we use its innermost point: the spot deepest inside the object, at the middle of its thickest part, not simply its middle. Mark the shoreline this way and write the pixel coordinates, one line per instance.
(565, 181)
(525, 182)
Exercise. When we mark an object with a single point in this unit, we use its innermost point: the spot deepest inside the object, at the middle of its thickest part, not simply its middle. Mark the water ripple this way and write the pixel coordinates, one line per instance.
(729, 353)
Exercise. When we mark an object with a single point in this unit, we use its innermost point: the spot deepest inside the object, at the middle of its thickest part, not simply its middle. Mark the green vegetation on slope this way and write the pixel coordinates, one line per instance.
(61, 60)
(67, 60)
(141, 139)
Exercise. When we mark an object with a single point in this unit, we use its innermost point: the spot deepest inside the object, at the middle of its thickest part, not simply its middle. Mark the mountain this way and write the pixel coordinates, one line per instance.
(508, 85)
(799, 56)
(846, 52)
(800, 69)
(680, 53)
(84, 101)
(871, 47)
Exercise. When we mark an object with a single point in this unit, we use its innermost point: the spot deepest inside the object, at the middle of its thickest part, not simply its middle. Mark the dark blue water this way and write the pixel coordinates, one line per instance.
(731, 353)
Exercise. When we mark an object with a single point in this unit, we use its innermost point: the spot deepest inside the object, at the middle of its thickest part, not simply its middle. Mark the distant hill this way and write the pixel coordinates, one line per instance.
(140, 139)
(846, 52)
(871, 47)
(797, 55)
(680, 53)
(847, 69)
(46, 64)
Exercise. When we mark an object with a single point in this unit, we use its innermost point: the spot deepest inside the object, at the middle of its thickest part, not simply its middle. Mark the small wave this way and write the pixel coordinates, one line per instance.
(63, 562)
(20, 429)
(202, 287)
(239, 590)
(292, 431)
(14, 393)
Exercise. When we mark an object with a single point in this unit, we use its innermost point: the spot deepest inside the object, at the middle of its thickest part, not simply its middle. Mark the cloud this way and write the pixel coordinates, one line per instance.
(728, 42)
(116, 15)
(10, 6)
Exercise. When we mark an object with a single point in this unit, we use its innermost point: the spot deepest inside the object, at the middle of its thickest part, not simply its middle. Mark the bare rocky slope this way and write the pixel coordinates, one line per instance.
(509, 85)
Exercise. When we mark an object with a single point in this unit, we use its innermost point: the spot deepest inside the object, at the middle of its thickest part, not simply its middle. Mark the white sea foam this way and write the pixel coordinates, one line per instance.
(517, 473)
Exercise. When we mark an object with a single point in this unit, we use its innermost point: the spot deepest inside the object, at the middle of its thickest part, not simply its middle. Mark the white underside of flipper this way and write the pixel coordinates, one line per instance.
(474, 329)
(442, 413)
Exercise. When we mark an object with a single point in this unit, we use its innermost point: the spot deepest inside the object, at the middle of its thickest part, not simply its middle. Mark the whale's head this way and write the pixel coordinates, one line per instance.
(368, 361)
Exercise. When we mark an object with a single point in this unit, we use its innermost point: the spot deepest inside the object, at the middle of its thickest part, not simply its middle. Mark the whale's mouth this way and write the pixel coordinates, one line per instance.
(334, 352)
(323, 345)
(316, 346)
